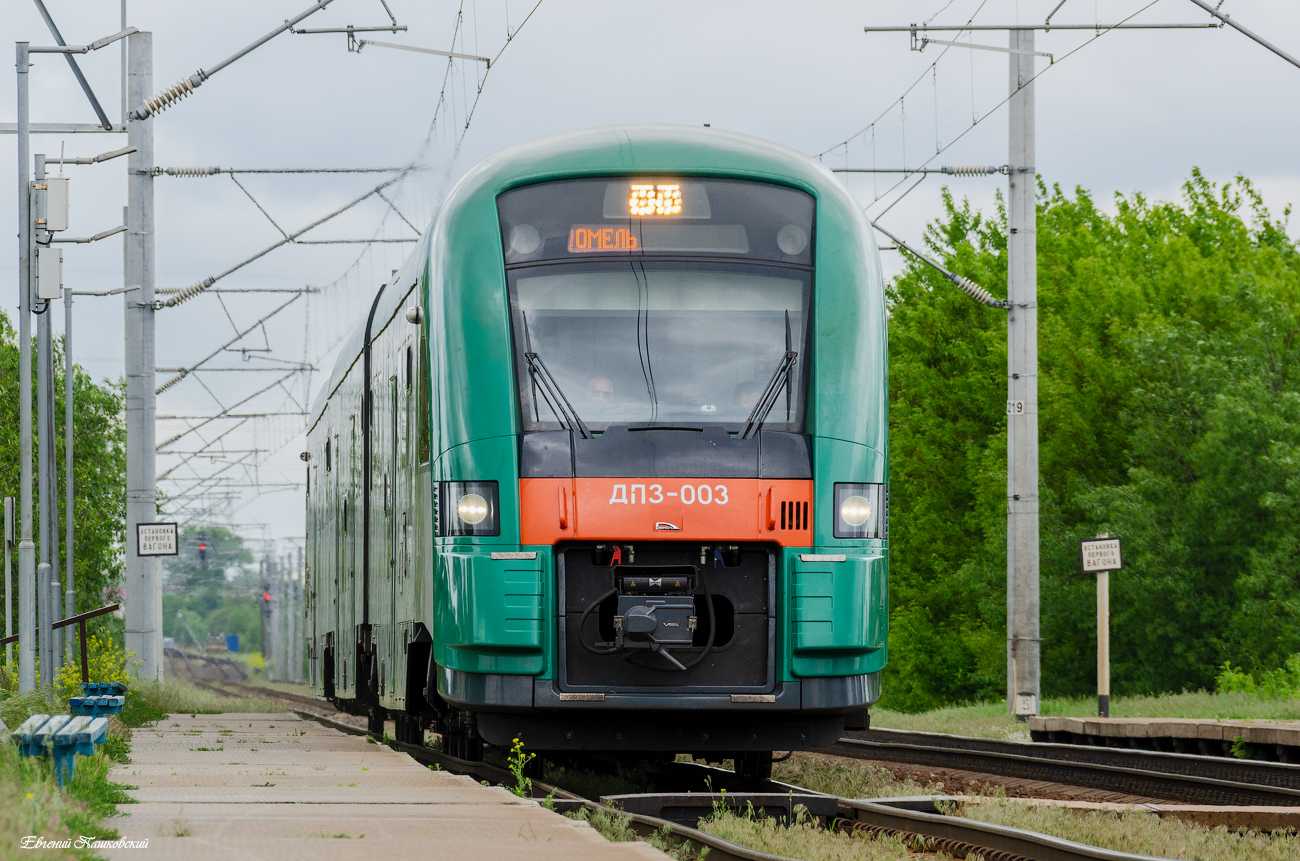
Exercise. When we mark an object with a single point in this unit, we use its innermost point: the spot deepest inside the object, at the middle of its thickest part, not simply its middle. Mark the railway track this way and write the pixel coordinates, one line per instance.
(1171, 776)
(675, 813)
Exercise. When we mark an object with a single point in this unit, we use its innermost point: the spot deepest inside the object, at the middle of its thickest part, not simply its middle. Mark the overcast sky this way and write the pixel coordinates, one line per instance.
(1128, 112)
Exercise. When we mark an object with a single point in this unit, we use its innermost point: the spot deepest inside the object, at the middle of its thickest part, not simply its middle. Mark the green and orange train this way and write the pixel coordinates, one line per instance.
(606, 467)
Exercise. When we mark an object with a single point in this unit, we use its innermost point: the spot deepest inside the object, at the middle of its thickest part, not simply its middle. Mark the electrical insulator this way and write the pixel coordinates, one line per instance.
(192, 171)
(970, 170)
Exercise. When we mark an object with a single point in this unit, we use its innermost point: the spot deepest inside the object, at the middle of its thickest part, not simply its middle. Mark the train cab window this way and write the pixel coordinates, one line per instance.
(327, 456)
(408, 368)
(660, 302)
(422, 401)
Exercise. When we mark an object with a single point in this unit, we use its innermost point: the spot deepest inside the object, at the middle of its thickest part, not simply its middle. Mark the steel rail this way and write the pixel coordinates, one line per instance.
(1286, 775)
(930, 831)
(1175, 777)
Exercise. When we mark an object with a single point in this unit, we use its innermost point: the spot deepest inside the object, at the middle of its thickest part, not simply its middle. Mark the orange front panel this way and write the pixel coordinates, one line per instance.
(665, 509)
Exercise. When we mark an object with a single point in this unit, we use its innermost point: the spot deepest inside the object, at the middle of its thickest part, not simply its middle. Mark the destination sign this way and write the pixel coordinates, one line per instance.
(655, 199)
(586, 238)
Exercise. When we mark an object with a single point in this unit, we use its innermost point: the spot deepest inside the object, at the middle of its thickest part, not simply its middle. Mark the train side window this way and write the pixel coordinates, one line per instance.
(408, 367)
(327, 456)
(422, 399)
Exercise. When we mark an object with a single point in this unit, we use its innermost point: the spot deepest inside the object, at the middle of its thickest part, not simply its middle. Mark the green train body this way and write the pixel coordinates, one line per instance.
(540, 504)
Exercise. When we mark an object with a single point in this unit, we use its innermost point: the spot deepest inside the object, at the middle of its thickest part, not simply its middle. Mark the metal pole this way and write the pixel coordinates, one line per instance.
(44, 448)
(26, 547)
(143, 594)
(273, 663)
(47, 633)
(262, 590)
(9, 581)
(1023, 680)
(300, 614)
(124, 41)
(69, 479)
(1103, 643)
(286, 619)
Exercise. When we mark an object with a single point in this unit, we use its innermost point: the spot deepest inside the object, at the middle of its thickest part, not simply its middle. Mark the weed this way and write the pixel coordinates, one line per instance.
(615, 826)
(517, 762)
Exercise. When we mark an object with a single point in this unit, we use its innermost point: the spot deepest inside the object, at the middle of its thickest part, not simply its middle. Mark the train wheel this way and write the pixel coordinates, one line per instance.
(755, 765)
(461, 739)
(375, 722)
(409, 728)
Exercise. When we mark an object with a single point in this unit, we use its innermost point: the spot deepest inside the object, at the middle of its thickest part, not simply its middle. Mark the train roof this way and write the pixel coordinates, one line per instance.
(626, 149)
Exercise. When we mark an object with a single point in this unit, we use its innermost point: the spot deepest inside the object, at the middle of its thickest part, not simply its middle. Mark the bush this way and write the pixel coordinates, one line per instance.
(1276, 684)
(105, 662)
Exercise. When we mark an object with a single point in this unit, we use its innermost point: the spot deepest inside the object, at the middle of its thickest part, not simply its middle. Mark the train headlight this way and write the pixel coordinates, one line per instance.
(469, 508)
(855, 511)
(861, 510)
(472, 508)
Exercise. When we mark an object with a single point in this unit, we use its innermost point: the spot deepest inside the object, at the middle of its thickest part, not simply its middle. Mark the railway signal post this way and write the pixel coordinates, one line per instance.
(1102, 556)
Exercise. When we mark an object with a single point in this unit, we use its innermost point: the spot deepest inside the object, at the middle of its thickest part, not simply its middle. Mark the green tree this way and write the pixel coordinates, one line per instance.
(1168, 415)
(99, 467)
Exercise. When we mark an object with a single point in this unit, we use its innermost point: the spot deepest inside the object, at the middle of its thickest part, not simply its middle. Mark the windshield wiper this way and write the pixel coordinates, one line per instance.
(555, 396)
(768, 398)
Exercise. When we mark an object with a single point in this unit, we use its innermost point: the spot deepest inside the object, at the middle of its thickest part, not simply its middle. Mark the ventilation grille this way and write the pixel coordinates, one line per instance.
(794, 515)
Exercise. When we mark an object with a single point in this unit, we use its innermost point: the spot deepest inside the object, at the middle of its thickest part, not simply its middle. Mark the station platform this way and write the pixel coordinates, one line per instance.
(1276, 741)
(274, 786)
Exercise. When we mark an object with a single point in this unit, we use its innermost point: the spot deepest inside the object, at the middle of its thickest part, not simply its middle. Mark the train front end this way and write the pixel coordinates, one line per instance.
(700, 498)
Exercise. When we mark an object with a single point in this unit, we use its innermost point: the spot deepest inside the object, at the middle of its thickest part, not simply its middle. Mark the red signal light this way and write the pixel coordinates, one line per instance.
(266, 596)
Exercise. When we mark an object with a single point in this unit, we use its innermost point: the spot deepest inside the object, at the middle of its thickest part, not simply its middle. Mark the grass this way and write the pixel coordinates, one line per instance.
(31, 802)
(846, 778)
(1138, 832)
(807, 840)
(990, 720)
(151, 700)
(615, 827)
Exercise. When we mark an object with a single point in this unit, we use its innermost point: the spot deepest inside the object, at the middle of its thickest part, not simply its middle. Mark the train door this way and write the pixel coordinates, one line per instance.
(392, 525)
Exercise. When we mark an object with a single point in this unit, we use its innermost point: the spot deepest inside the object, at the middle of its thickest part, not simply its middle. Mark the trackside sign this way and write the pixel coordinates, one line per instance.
(1100, 554)
(156, 539)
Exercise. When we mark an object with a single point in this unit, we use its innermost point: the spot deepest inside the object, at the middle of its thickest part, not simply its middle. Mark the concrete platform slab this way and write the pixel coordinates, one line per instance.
(295, 790)
(1275, 740)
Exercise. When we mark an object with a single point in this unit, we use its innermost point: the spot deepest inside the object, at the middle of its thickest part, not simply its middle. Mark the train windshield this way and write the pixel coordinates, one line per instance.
(660, 344)
(659, 301)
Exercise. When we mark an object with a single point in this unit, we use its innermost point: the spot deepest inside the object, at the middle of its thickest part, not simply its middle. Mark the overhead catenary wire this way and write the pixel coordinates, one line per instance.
(1227, 19)
(198, 287)
(239, 336)
(1008, 98)
(352, 279)
(185, 86)
(898, 100)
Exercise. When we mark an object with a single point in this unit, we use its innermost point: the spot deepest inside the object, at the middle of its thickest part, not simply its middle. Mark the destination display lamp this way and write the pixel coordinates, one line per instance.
(1101, 555)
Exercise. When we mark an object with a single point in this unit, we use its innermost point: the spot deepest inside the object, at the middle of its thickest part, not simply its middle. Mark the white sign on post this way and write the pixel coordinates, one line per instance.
(1100, 554)
(156, 539)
